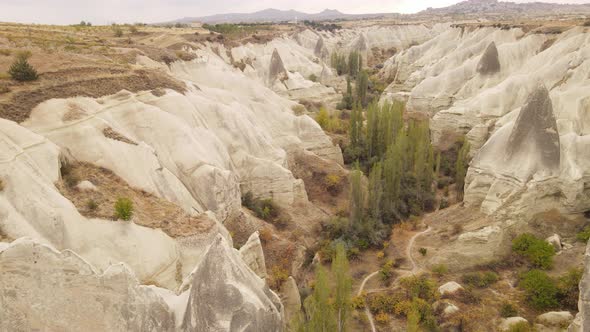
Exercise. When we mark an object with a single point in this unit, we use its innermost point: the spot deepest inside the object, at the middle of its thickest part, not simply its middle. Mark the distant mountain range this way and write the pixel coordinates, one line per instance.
(508, 8)
(275, 15)
(469, 7)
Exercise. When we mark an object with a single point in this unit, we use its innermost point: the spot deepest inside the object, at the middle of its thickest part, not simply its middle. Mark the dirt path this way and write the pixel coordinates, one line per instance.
(402, 273)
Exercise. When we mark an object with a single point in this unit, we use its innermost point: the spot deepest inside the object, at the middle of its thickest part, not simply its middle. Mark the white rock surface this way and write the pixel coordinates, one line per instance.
(555, 241)
(64, 283)
(556, 318)
(506, 323)
(440, 77)
(86, 185)
(253, 255)
(449, 288)
(291, 299)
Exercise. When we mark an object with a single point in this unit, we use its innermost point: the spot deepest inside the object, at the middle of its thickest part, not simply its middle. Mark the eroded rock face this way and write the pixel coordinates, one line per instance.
(523, 153)
(226, 295)
(489, 63)
(277, 69)
(253, 255)
(582, 322)
(47, 290)
(291, 299)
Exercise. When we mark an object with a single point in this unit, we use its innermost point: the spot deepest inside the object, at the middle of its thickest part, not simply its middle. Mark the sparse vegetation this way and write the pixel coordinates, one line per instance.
(537, 251)
(540, 290)
(520, 327)
(440, 270)
(123, 209)
(508, 310)
(117, 31)
(480, 279)
(264, 209)
(333, 183)
(91, 205)
(584, 235)
(1, 185)
(423, 251)
(21, 70)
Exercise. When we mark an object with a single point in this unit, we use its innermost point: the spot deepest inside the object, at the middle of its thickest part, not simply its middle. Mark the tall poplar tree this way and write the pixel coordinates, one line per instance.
(341, 274)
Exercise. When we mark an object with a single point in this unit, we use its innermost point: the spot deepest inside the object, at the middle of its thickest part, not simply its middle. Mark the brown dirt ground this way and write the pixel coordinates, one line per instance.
(148, 210)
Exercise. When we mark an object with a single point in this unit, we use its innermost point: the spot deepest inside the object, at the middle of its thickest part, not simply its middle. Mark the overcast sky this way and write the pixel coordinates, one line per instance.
(150, 11)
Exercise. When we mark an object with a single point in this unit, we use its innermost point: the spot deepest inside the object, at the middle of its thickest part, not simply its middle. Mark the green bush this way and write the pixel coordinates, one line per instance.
(540, 290)
(264, 209)
(440, 270)
(386, 271)
(537, 251)
(123, 208)
(568, 289)
(118, 32)
(21, 70)
(313, 78)
(480, 279)
(508, 310)
(520, 327)
(420, 287)
(423, 251)
(91, 205)
(584, 235)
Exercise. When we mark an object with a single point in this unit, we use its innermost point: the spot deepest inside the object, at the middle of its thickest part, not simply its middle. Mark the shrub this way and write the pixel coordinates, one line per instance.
(386, 271)
(332, 183)
(480, 279)
(537, 251)
(466, 296)
(313, 78)
(358, 302)
(382, 318)
(508, 310)
(265, 235)
(70, 178)
(278, 275)
(440, 270)
(123, 208)
(264, 209)
(444, 204)
(118, 32)
(91, 205)
(520, 327)
(540, 289)
(568, 288)
(382, 302)
(5, 52)
(423, 251)
(1, 185)
(420, 287)
(21, 70)
(584, 235)
(380, 255)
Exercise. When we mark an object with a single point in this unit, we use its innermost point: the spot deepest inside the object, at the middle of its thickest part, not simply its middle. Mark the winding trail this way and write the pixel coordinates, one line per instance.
(414, 270)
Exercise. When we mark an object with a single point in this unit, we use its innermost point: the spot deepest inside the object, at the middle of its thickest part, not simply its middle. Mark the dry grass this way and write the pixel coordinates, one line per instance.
(149, 210)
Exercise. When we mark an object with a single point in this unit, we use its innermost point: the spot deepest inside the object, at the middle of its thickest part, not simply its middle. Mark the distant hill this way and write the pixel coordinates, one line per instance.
(468, 8)
(507, 8)
(274, 16)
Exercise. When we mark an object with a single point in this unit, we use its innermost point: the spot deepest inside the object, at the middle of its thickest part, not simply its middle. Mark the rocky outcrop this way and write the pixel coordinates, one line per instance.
(320, 49)
(555, 318)
(253, 255)
(521, 154)
(291, 299)
(489, 63)
(276, 69)
(449, 288)
(70, 294)
(226, 295)
(44, 289)
(507, 323)
(581, 323)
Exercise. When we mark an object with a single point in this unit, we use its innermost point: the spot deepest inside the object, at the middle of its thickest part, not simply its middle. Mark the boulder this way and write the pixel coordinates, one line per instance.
(555, 318)
(86, 186)
(555, 241)
(450, 309)
(253, 255)
(489, 62)
(506, 323)
(449, 288)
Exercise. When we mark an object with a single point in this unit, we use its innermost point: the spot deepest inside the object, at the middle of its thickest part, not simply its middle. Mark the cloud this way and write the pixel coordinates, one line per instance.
(120, 11)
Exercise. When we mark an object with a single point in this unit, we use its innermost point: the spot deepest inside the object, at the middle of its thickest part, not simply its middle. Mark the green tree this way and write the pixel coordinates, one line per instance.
(341, 273)
(21, 70)
(357, 198)
(376, 191)
(320, 312)
(353, 63)
(362, 86)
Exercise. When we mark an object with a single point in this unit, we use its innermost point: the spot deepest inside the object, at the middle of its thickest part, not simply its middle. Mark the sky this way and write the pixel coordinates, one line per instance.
(152, 11)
